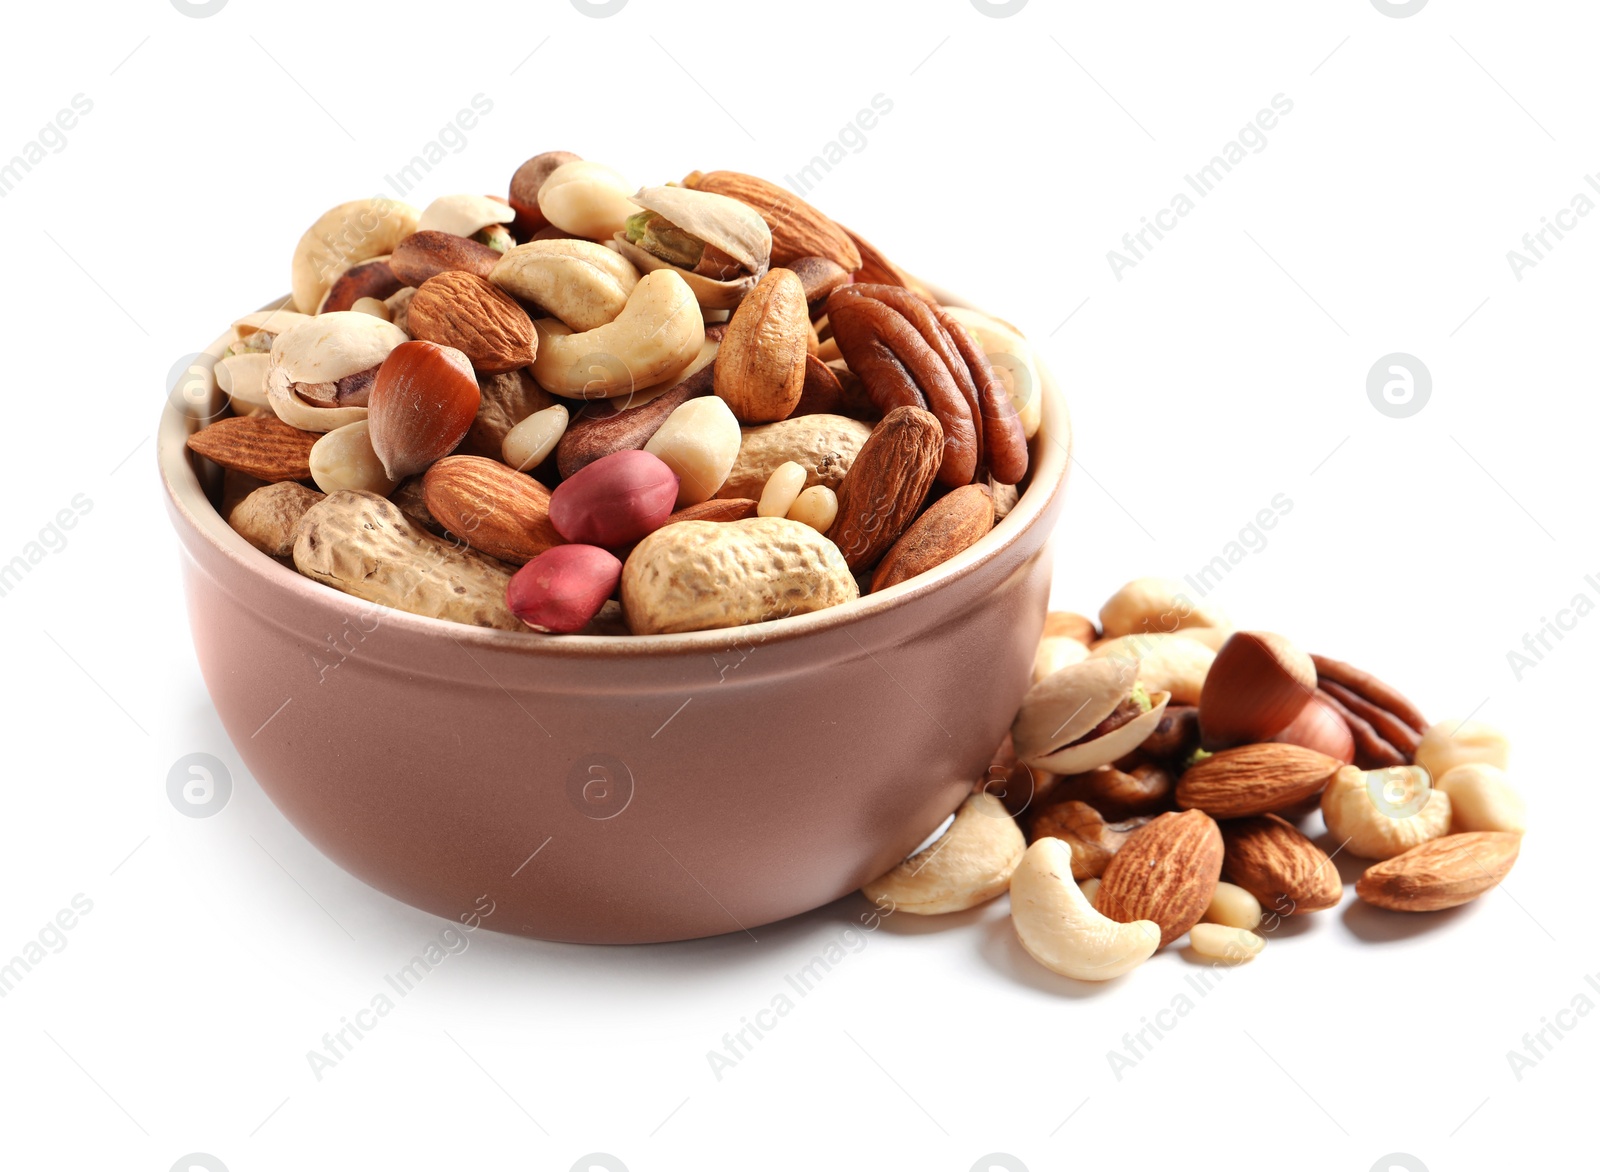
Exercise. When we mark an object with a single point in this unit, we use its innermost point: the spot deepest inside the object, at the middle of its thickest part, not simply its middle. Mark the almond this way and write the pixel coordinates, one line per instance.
(1165, 872)
(875, 268)
(1255, 688)
(886, 484)
(951, 524)
(493, 508)
(1255, 779)
(422, 256)
(262, 446)
(719, 509)
(798, 229)
(761, 366)
(1278, 865)
(1445, 872)
(467, 312)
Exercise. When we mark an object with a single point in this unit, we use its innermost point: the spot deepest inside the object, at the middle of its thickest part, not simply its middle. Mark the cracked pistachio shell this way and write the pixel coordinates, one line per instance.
(1065, 706)
(269, 321)
(736, 228)
(332, 346)
(462, 215)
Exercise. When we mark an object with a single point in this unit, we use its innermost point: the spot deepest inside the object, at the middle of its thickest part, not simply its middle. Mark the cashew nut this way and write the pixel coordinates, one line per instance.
(243, 377)
(1155, 604)
(1384, 812)
(1056, 652)
(343, 236)
(587, 199)
(583, 283)
(1060, 929)
(1167, 663)
(1482, 799)
(970, 863)
(1469, 742)
(657, 334)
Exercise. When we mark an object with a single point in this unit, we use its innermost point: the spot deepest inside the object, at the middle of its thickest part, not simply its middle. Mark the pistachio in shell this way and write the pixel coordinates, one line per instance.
(1086, 715)
(720, 246)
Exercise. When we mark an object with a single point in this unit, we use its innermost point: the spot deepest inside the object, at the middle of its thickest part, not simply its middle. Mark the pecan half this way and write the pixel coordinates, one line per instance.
(909, 353)
(1385, 725)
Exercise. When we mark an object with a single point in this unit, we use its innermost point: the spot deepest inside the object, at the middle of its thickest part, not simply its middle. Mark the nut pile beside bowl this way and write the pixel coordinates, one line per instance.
(659, 561)
(1155, 776)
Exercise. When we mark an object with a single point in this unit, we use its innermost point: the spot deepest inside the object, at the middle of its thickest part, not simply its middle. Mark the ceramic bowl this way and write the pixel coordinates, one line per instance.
(612, 789)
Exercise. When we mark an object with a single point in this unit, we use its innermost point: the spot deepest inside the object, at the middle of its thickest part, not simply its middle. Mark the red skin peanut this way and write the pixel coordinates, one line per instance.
(614, 501)
(559, 591)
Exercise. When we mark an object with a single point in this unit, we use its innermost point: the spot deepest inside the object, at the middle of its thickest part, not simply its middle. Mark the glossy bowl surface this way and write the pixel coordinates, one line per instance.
(615, 789)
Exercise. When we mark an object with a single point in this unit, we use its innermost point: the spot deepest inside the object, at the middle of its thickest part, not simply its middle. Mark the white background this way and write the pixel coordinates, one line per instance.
(1228, 366)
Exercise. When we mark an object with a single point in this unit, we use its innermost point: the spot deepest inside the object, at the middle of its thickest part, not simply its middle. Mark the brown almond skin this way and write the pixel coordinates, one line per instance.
(493, 508)
(262, 446)
(1166, 872)
(717, 509)
(1444, 873)
(590, 436)
(475, 316)
(798, 229)
(951, 524)
(370, 278)
(1255, 779)
(875, 268)
(1286, 871)
(761, 365)
(424, 255)
(886, 485)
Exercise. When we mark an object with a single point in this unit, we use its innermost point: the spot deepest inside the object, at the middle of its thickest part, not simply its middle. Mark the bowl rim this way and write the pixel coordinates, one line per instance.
(1049, 458)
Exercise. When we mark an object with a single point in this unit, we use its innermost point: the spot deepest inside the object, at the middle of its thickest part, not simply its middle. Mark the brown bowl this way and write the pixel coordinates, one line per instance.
(608, 789)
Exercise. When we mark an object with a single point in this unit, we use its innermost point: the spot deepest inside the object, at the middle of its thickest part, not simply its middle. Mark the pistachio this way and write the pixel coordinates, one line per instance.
(317, 376)
(464, 215)
(243, 377)
(720, 246)
(1086, 715)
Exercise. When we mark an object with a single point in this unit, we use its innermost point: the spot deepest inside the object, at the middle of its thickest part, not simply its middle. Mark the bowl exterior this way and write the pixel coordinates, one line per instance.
(616, 790)
(616, 800)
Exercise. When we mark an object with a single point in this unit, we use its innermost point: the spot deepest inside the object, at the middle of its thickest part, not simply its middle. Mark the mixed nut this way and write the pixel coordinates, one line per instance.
(591, 407)
(1155, 782)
